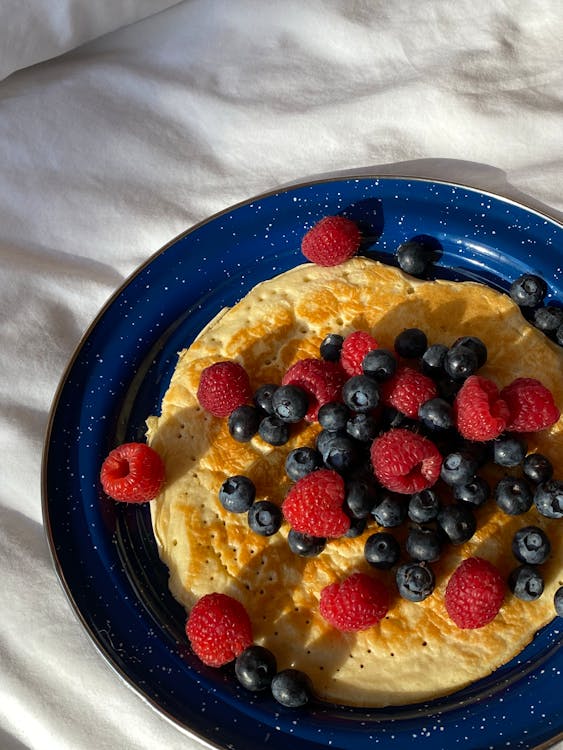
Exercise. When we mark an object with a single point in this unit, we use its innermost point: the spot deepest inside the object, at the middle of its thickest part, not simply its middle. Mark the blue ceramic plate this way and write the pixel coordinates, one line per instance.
(104, 552)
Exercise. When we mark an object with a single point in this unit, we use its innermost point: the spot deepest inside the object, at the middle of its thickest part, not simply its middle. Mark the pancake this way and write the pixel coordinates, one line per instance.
(415, 653)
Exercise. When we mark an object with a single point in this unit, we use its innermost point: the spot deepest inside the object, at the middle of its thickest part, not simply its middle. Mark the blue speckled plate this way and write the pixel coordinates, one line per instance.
(104, 552)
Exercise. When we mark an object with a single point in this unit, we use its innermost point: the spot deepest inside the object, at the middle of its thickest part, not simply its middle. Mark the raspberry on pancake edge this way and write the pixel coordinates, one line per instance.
(474, 593)
(405, 462)
(218, 628)
(354, 348)
(358, 602)
(531, 405)
(331, 241)
(223, 387)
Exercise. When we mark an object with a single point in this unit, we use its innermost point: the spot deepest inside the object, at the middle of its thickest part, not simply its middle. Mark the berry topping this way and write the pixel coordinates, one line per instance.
(292, 688)
(480, 411)
(513, 495)
(474, 593)
(223, 386)
(265, 518)
(314, 505)
(411, 343)
(436, 414)
(558, 601)
(356, 603)
(321, 380)
(407, 390)
(528, 290)
(331, 241)
(548, 319)
(354, 349)
(423, 544)
(273, 430)
(339, 451)
(423, 506)
(362, 427)
(458, 468)
(458, 522)
(526, 582)
(417, 254)
(218, 629)
(476, 344)
(237, 494)
(433, 359)
(405, 462)
(290, 403)
(132, 473)
(305, 545)
(302, 461)
(415, 581)
(537, 468)
(263, 397)
(382, 550)
(243, 423)
(531, 405)
(390, 511)
(379, 364)
(331, 346)
(255, 667)
(509, 451)
(548, 498)
(360, 393)
(531, 545)
(333, 416)
(475, 493)
(361, 496)
(460, 362)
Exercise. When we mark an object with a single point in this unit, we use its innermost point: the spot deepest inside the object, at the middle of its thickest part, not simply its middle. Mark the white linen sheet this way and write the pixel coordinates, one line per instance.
(115, 147)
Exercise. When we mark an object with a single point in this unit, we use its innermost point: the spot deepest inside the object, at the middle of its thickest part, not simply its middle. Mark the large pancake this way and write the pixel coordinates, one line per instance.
(416, 652)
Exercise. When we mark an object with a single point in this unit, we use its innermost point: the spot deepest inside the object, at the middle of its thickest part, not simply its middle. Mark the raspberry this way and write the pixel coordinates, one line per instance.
(357, 603)
(314, 505)
(405, 462)
(218, 629)
(531, 405)
(354, 348)
(331, 241)
(407, 390)
(223, 387)
(320, 379)
(132, 473)
(474, 593)
(481, 413)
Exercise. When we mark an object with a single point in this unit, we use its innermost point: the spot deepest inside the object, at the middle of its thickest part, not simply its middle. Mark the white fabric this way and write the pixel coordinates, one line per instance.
(112, 149)
(35, 30)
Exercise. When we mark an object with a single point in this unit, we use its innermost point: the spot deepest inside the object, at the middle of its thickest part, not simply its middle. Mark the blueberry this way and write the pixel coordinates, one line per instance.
(476, 492)
(362, 427)
(356, 528)
(243, 423)
(559, 335)
(302, 461)
(548, 498)
(237, 494)
(339, 452)
(333, 416)
(526, 582)
(513, 495)
(537, 468)
(528, 290)
(433, 359)
(379, 364)
(460, 362)
(448, 388)
(457, 521)
(509, 450)
(417, 254)
(458, 468)
(423, 544)
(292, 688)
(558, 601)
(290, 403)
(390, 511)
(255, 668)
(360, 393)
(548, 319)
(382, 550)
(531, 545)
(305, 545)
(265, 518)
(273, 430)
(263, 397)
(360, 498)
(331, 346)
(423, 506)
(415, 581)
(436, 414)
(477, 345)
(411, 343)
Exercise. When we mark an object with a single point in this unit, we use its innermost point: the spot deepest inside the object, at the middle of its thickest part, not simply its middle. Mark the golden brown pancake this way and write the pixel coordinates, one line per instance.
(416, 652)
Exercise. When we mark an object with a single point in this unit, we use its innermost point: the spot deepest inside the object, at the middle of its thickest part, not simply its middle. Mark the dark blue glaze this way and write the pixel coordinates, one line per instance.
(104, 552)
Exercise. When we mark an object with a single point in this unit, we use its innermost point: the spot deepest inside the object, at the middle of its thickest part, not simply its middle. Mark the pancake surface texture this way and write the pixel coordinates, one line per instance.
(416, 652)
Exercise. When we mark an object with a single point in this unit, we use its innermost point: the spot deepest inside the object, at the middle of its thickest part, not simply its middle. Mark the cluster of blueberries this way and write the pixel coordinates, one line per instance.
(348, 429)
